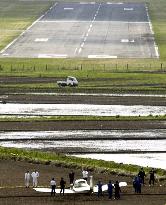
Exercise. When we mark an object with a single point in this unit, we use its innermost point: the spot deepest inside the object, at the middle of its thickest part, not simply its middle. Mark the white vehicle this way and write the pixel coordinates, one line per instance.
(70, 81)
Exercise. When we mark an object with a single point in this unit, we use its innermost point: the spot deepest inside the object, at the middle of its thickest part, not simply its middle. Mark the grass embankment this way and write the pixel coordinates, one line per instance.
(81, 118)
(73, 162)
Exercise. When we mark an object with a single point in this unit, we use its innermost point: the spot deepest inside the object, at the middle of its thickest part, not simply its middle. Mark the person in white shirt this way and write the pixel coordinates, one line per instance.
(35, 176)
(85, 174)
(53, 186)
(27, 179)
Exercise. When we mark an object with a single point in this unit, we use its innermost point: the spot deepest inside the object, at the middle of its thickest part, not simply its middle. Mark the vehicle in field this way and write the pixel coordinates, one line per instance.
(70, 81)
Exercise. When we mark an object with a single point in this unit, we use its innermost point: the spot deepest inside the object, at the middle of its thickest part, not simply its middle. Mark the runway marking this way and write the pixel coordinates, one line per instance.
(128, 9)
(68, 8)
(82, 45)
(41, 39)
(101, 56)
(52, 56)
(5, 54)
(151, 29)
(115, 3)
(127, 41)
(3, 50)
(75, 21)
(84, 2)
(80, 50)
(75, 51)
(89, 29)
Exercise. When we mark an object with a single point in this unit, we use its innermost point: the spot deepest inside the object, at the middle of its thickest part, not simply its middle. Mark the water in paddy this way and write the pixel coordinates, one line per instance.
(106, 142)
(80, 109)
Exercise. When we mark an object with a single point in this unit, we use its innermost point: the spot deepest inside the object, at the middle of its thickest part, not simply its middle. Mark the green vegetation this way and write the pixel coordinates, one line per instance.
(80, 118)
(102, 81)
(72, 162)
(16, 16)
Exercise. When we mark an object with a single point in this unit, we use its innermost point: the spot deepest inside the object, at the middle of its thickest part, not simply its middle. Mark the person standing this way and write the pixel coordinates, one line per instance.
(62, 186)
(152, 177)
(71, 177)
(35, 176)
(110, 189)
(142, 175)
(85, 174)
(53, 186)
(99, 192)
(27, 179)
(117, 190)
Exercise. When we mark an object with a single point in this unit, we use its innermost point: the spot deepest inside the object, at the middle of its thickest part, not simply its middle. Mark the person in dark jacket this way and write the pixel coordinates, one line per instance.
(110, 189)
(71, 177)
(62, 186)
(117, 190)
(152, 176)
(99, 185)
(137, 182)
(142, 175)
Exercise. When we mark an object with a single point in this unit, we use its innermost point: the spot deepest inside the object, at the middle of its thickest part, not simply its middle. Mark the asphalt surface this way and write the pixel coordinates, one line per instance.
(88, 30)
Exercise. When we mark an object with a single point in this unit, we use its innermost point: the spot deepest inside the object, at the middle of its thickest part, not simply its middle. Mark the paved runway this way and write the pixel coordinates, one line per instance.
(88, 30)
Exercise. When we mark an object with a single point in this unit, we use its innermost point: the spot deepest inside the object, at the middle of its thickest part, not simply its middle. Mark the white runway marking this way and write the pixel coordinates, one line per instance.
(75, 21)
(3, 50)
(41, 39)
(127, 41)
(151, 29)
(89, 29)
(52, 56)
(75, 51)
(101, 56)
(115, 3)
(128, 9)
(5, 54)
(68, 8)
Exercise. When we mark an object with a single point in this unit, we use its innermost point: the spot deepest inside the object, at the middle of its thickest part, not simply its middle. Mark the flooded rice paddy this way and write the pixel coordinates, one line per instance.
(81, 143)
(80, 110)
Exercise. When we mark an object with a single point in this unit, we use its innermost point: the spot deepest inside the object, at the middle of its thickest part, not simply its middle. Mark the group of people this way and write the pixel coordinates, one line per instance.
(139, 180)
(53, 186)
(62, 184)
(111, 187)
(34, 175)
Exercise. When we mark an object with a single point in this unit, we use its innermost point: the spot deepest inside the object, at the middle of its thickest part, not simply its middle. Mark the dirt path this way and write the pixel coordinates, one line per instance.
(80, 125)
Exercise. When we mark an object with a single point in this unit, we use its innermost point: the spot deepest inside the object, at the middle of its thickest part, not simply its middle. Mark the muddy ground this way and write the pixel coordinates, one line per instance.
(13, 192)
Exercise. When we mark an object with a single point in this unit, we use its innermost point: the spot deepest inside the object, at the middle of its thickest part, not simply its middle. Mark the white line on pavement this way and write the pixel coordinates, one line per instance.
(3, 50)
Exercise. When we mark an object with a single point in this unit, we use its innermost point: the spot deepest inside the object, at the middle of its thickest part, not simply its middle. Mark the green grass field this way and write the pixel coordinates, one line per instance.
(124, 75)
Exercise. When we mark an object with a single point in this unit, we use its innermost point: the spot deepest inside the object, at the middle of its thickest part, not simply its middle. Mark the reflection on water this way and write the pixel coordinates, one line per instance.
(81, 109)
(146, 160)
(87, 134)
(90, 146)
(96, 141)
